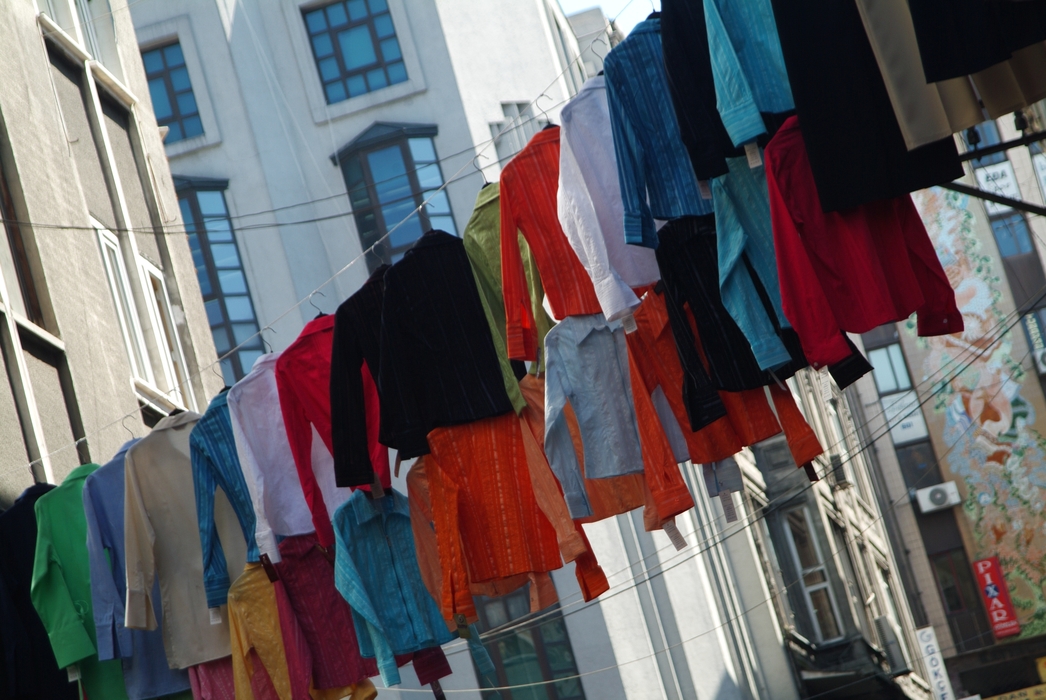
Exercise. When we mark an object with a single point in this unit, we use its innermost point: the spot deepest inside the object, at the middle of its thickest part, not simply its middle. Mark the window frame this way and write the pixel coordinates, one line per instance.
(802, 572)
(172, 94)
(126, 313)
(168, 341)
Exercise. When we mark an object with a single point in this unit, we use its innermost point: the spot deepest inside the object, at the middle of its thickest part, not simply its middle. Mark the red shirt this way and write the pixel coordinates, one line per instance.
(851, 270)
(303, 378)
(529, 186)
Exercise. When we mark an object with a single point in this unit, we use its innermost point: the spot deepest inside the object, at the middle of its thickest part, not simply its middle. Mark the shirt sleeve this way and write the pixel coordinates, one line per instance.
(53, 601)
(215, 573)
(300, 436)
(577, 216)
(734, 97)
(737, 288)
(802, 297)
(631, 169)
(455, 595)
(559, 447)
(349, 583)
(139, 556)
(520, 327)
(352, 465)
(114, 640)
(939, 314)
(255, 480)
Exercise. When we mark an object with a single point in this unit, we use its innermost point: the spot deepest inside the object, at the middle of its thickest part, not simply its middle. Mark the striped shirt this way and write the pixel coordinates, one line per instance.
(529, 185)
(215, 463)
(652, 163)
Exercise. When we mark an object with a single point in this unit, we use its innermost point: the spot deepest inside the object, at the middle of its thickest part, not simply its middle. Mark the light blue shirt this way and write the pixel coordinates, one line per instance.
(657, 179)
(145, 670)
(743, 230)
(587, 364)
(215, 463)
(376, 571)
(747, 65)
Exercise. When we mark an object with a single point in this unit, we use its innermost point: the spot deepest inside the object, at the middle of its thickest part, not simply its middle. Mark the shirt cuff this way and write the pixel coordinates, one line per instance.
(106, 633)
(831, 352)
(70, 644)
(939, 324)
(139, 614)
(634, 230)
(743, 123)
(615, 297)
(517, 344)
(770, 353)
(578, 505)
(217, 592)
(266, 540)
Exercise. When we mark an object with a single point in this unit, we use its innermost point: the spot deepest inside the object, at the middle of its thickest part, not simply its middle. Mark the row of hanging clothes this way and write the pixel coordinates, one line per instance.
(716, 212)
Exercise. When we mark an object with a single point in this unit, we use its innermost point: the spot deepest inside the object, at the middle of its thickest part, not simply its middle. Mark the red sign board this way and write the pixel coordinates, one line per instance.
(996, 597)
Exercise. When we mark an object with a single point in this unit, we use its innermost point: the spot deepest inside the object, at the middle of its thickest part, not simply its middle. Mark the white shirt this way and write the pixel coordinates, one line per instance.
(590, 207)
(267, 462)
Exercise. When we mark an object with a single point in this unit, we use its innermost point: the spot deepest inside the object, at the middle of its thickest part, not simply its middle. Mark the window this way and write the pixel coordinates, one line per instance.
(389, 171)
(222, 281)
(961, 600)
(120, 287)
(1011, 234)
(889, 370)
(520, 124)
(851, 581)
(918, 465)
(176, 375)
(355, 47)
(171, 92)
(813, 575)
(540, 652)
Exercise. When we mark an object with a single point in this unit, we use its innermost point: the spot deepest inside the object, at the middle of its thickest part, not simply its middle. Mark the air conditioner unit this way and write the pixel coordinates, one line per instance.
(891, 646)
(938, 497)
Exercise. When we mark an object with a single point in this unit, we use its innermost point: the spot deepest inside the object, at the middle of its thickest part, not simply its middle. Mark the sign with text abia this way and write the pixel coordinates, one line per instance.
(996, 597)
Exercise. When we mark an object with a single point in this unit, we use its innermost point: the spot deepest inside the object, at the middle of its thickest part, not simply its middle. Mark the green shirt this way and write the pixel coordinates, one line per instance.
(483, 245)
(61, 587)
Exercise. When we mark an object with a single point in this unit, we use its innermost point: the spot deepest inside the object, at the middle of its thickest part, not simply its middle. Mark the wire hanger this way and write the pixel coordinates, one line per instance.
(479, 170)
(313, 305)
(548, 121)
(124, 424)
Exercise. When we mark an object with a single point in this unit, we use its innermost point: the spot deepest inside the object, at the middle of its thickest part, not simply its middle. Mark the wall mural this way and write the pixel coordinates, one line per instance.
(990, 442)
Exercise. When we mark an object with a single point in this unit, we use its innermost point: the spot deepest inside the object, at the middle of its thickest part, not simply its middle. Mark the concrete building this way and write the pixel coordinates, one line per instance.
(101, 312)
(596, 35)
(963, 463)
(303, 133)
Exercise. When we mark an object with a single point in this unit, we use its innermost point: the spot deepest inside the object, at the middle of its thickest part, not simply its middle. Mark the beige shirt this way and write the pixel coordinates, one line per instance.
(162, 539)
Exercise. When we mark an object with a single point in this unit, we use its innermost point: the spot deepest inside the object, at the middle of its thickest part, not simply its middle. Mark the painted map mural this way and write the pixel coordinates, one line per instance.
(989, 424)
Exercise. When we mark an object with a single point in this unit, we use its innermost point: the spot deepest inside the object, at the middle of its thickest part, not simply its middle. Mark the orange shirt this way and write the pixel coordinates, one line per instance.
(488, 523)
(529, 186)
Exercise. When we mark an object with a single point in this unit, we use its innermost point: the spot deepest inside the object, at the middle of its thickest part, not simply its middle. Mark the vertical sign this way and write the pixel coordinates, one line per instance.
(996, 597)
(931, 654)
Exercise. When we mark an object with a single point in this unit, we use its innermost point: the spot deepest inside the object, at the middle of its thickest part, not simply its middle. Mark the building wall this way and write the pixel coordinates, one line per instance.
(68, 369)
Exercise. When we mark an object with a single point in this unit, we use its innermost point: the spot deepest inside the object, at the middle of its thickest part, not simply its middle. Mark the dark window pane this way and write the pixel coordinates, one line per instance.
(186, 103)
(322, 45)
(221, 340)
(246, 334)
(376, 79)
(390, 49)
(1011, 234)
(225, 255)
(239, 308)
(193, 127)
(180, 79)
(173, 55)
(438, 202)
(443, 223)
(161, 102)
(211, 203)
(383, 26)
(329, 68)
(248, 358)
(397, 73)
(422, 151)
(377, 6)
(175, 133)
(335, 92)
(804, 545)
(357, 10)
(357, 85)
(918, 465)
(336, 15)
(204, 280)
(315, 21)
(218, 230)
(389, 173)
(357, 49)
(406, 232)
(153, 61)
(232, 282)
(214, 312)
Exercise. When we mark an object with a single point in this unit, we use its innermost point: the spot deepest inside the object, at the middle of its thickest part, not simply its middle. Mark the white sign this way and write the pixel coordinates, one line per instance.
(903, 413)
(934, 662)
(1038, 161)
(999, 179)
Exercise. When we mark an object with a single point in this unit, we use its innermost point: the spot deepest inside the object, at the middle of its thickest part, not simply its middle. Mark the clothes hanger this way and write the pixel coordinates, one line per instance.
(214, 368)
(549, 124)
(321, 313)
(482, 174)
(124, 424)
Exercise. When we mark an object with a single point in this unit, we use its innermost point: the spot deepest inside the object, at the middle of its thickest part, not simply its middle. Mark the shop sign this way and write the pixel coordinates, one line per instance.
(996, 596)
(998, 178)
(934, 661)
(1036, 692)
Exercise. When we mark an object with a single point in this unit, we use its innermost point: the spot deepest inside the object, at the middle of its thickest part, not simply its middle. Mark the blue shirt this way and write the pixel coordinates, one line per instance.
(747, 65)
(215, 463)
(145, 670)
(376, 570)
(742, 209)
(652, 163)
(586, 363)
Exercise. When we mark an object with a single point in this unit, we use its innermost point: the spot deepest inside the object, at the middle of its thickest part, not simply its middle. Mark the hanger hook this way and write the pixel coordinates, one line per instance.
(537, 103)
(314, 305)
(214, 368)
(475, 164)
(124, 424)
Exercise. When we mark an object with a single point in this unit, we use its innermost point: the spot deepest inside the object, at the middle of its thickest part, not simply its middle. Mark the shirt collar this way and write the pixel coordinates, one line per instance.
(366, 508)
(433, 238)
(318, 325)
(489, 193)
(648, 26)
(178, 420)
(80, 473)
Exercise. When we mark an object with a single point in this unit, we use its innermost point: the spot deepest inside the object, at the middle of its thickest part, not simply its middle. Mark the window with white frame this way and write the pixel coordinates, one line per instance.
(813, 575)
(176, 375)
(119, 286)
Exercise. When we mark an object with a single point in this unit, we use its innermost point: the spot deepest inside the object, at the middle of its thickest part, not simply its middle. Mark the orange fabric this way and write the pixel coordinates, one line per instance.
(542, 592)
(800, 436)
(608, 497)
(529, 186)
(488, 523)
